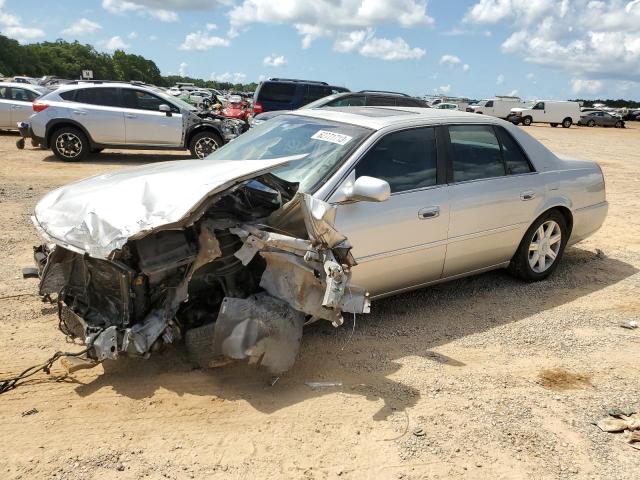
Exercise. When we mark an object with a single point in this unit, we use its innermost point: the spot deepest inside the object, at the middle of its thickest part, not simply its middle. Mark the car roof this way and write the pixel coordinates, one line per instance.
(90, 84)
(381, 117)
(21, 85)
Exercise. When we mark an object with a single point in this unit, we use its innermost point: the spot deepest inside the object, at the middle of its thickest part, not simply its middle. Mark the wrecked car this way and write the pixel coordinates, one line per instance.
(86, 117)
(306, 217)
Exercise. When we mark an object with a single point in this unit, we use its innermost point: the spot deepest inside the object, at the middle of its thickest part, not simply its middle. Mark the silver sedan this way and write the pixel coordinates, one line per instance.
(15, 102)
(309, 215)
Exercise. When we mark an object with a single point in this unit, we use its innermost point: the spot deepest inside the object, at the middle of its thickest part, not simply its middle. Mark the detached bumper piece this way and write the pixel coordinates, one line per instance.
(224, 281)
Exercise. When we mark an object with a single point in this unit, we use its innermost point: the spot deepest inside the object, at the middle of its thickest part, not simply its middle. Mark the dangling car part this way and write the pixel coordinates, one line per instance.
(131, 277)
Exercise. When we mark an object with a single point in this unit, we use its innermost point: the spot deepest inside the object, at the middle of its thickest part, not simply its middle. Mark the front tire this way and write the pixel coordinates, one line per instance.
(526, 121)
(541, 248)
(566, 123)
(204, 143)
(70, 144)
(591, 123)
(619, 124)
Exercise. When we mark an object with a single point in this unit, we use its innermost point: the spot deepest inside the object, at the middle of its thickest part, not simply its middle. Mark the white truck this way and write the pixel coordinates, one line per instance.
(499, 106)
(553, 112)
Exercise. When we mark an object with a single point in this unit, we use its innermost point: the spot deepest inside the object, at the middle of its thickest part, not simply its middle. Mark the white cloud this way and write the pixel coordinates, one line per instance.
(450, 60)
(133, 35)
(587, 38)
(141, 7)
(530, 76)
(500, 79)
(229, 77)
(590, 87)
(513, 93)
(274, 60)
(324, 18)
(444, 88)
(116, 43)
(211, 26)
(202, 41)
(182, 69)
(11, 26)
(368, 45)
(84, 26)
(466, 67)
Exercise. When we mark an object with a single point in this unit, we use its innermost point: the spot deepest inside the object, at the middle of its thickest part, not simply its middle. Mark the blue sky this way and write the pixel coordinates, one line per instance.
(475, 48)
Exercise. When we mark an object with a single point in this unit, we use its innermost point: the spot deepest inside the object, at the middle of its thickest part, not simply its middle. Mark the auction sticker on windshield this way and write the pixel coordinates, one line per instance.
(332, 137)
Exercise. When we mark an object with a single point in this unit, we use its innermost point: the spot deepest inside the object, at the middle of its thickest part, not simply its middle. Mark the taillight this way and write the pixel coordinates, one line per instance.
(257, 108)
(39, 106)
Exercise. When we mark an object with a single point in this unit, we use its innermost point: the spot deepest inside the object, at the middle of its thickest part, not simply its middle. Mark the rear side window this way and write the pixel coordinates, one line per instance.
(514, 158)
(69, 95)
(380, 101)
(409, 102)
(107, 97)
(277, 92)
(476, 153)
(406, 159)
(316, 92)
(357, 101)
(22, 95)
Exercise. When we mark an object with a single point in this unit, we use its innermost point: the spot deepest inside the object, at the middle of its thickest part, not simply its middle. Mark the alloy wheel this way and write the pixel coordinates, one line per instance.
(544, 246)
(69, 145)
(205, 146)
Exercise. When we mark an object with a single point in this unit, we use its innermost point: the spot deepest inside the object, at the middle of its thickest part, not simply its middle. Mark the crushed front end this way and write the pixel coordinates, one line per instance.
(236, 279)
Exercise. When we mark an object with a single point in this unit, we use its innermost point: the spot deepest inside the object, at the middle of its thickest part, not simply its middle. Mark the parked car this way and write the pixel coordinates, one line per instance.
(553, 112)
(307, 216)
(15, 102)
(290, 94)
(602, 119)
(369, 98)
(27, 80)
(87, 117)
(499, 107)
(175, 91)
(237, 108)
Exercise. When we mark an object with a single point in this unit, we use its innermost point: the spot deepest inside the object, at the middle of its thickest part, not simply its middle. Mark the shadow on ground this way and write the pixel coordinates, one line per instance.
(364, 361)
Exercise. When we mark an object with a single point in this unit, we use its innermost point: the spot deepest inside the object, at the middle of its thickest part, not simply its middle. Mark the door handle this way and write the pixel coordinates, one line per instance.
(527, 195)
(131, 115)
(79, 112)
(15, 107)
(428, 212)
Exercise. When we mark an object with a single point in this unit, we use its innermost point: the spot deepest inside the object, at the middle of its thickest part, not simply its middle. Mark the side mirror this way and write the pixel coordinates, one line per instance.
(366, 189)
(165, 108)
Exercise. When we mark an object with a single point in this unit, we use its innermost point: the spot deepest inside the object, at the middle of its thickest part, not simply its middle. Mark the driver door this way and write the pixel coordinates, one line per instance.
(145, 124)
(538, 112)
(399, 243)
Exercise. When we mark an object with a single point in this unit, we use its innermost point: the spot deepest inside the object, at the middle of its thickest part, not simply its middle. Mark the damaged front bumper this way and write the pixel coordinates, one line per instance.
(224, 279)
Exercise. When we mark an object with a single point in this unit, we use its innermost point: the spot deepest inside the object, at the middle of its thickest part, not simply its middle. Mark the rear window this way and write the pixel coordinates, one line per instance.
(277, 92)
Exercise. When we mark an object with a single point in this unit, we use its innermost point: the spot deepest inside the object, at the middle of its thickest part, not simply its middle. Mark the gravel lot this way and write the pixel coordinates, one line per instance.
(497, 378)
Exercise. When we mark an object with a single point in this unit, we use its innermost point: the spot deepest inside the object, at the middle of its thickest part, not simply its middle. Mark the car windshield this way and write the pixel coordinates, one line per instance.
(323, 145)
(174, 100)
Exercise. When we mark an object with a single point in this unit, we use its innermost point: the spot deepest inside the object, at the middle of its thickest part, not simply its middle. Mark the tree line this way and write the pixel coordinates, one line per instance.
(67, 60)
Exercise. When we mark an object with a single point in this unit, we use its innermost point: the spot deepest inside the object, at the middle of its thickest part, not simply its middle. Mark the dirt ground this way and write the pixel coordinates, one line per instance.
(484, 377)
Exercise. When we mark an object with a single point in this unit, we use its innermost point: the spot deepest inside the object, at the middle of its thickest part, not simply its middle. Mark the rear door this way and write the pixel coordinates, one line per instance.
(98, 110)
(399, 243)
(5, 107)
(494, 196)
(145, 124)
(21, 109)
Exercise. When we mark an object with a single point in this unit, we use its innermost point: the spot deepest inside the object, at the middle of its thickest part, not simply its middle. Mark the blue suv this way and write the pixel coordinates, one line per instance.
(290, 94)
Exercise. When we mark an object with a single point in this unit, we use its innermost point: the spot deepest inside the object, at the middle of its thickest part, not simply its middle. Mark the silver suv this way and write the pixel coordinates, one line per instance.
(80, 118)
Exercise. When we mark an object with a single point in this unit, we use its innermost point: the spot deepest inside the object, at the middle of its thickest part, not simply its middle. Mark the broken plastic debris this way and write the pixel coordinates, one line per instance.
(419, 432)
(631, 325)
(323, 384)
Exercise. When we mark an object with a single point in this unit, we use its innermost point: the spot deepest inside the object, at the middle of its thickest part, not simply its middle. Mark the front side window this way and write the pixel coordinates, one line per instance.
(406, 160)
(107, 97)
(142, 100)
(23, 95)
(476, 153)
(4, 92)
(489, 103)
(316, 92)
(322, 146)
(539, 106)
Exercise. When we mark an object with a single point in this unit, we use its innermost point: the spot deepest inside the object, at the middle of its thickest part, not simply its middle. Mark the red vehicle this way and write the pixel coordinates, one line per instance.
(237, 108)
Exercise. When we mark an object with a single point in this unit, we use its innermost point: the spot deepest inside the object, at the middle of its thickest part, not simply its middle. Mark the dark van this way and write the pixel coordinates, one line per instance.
(290, 94)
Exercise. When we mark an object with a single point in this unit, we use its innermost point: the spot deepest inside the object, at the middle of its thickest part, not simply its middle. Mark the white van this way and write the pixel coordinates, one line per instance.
(553, 112)
(496, 107)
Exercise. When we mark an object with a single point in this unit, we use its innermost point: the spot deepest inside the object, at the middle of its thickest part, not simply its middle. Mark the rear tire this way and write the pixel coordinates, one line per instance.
(567, 122)
(70, 144)
(526, 121)
(619, 124)
(542, 239)
(591, 123)
(204, 143)
(554, 125)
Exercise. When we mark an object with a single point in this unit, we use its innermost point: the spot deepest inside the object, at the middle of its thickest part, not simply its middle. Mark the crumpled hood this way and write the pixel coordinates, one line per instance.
(99, 214)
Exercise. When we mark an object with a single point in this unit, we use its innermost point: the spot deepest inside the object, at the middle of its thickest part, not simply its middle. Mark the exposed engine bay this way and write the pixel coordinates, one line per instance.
(236, 279)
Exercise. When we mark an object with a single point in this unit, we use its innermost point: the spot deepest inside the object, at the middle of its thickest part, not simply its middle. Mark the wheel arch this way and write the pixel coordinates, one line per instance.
(201, 127)
(56, 124)
(565, 211)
